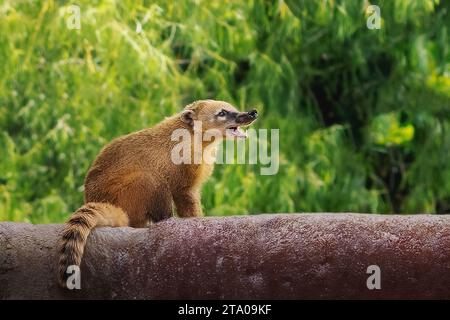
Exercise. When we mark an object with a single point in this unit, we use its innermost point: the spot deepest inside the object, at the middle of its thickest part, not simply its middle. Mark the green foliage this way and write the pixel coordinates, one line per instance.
(363, 114)
(386, 130)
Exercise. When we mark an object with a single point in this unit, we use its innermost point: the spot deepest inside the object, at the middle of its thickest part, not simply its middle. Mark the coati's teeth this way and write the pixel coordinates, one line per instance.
(237, 132)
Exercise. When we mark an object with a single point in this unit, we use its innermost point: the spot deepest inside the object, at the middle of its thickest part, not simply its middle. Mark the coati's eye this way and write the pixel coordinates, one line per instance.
(221, 113)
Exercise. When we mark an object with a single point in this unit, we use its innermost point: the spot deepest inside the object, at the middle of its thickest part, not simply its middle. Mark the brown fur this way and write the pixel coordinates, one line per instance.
(133, 181)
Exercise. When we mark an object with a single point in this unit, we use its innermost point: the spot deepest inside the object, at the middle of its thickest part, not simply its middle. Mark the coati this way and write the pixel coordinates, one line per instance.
(133, 181)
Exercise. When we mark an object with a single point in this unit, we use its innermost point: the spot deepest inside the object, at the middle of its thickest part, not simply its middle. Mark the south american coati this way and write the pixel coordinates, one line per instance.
(134, 180)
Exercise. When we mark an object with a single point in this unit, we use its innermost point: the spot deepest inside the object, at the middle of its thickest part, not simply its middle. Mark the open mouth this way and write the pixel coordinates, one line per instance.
(238, 131)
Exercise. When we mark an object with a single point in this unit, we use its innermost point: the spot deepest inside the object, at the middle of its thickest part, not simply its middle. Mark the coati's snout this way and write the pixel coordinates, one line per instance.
(245, 118)
(219, 115)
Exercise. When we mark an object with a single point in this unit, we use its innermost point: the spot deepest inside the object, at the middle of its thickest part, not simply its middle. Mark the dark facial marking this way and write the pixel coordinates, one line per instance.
(230, 115)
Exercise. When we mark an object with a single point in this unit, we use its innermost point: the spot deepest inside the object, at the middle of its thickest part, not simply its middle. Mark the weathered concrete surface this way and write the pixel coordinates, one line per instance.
(281, 256)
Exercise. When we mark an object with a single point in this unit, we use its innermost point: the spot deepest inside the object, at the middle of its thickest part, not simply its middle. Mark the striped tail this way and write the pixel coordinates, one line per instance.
(77, 229)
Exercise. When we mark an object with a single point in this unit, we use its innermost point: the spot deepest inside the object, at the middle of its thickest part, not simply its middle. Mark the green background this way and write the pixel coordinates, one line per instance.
(364, 115)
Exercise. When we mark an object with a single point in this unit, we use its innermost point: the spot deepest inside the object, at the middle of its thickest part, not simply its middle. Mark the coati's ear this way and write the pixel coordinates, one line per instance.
(187, 116)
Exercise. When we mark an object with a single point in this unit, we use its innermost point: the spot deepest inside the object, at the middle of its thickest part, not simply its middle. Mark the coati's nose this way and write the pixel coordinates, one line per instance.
(253, 113)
